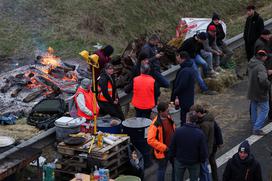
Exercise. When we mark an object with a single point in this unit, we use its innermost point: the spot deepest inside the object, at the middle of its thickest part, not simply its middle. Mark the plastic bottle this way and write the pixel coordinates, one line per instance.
(96, 174)
(100, 140)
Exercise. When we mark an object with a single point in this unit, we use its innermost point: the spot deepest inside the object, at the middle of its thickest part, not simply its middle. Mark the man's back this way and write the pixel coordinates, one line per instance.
(189, 145)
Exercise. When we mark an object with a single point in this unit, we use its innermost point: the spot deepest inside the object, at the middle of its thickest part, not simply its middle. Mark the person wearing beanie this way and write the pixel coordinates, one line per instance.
(220, 36)
(107, 95)
(252, 31)
(243, 166)
(84, 99)
(104, 58)
(193, 46)
(258, 89)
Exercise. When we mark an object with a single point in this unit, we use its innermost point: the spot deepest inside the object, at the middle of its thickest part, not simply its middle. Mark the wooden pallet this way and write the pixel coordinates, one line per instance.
(103, 153)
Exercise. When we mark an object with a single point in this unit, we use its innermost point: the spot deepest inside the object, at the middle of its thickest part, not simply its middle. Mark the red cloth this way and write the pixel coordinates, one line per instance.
(143, 92)
(89, 98)
(168, 131)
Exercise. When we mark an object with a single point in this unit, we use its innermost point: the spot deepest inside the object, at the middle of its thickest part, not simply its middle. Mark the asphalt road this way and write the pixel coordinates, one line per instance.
(231, 109)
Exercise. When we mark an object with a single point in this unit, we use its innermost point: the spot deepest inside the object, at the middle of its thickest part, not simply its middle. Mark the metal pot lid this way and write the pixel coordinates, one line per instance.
(137, 122)
(6, 141)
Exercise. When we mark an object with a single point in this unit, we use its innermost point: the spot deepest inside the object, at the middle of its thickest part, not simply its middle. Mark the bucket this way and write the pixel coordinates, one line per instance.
(66, 126)
(137, 129)
(127, 178)
(105, 125)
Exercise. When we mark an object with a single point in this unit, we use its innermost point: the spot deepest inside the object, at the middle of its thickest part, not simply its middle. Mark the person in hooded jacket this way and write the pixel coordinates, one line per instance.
(107, 93)
(206, 123)
(243, 166)
(253, 28)
(258, 90)
(183, 91)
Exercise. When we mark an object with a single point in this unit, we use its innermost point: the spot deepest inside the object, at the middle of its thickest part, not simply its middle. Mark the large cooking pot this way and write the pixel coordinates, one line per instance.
(137, 129)
(109, 125)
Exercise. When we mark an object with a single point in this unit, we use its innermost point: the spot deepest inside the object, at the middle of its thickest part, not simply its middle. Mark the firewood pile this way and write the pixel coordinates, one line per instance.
(124, 63)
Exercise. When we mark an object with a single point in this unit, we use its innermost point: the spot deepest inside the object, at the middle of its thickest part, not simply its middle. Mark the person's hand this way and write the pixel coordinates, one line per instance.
(115, 101)
(176, 102)
(159, 55)
(269, 72)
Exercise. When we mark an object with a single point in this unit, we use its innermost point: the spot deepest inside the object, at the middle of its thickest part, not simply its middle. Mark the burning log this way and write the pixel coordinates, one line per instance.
(48, 82)
(16, 92)
(14, 80)
(33, 95)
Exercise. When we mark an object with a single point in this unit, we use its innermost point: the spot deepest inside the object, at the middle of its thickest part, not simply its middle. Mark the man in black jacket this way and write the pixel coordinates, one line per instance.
(188, 148)
(184, 85)
(243, 166)
(220, 36)
(253, 28)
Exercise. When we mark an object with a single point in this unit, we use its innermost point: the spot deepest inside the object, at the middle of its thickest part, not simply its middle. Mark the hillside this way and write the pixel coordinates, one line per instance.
(72, 25)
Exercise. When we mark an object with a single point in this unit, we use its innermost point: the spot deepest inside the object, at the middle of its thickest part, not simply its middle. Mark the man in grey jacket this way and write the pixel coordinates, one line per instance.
(258, 89)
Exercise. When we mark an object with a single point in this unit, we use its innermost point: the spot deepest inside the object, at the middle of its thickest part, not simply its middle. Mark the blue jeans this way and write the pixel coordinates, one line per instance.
(204, 172)
(208, 56)
(162, 165)
(199, 78)
(259, 112)
(181, 168)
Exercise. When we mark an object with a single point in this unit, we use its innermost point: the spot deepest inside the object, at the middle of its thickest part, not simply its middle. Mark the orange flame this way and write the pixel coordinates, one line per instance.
(50, 59)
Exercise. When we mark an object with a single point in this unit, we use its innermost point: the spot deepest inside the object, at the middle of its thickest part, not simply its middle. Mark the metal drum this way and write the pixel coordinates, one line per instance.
(137, 129)
(109, 125)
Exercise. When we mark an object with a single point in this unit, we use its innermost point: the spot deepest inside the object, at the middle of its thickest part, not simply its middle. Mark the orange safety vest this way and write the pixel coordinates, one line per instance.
(143, 92)
(155, 137)
(89, 97)
(100, 95)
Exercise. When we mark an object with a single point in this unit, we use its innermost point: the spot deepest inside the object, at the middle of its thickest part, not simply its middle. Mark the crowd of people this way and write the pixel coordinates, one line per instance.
(194, 144)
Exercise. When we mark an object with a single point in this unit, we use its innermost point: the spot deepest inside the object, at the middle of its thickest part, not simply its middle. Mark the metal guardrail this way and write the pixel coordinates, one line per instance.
(170, 74)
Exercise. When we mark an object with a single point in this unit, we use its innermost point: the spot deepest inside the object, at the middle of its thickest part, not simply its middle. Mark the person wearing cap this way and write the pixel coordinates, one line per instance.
(210, 47)
(192, 46)
(252, 31)
(220, 36)
(183, 91)
(243, 166)
(84, 100)
(188, 149)
(104, 58)
(107, 93)
(258, 89)
(152, 51)
(143, 96)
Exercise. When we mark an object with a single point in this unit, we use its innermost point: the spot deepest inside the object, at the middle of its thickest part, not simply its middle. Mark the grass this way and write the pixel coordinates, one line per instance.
(72, 25)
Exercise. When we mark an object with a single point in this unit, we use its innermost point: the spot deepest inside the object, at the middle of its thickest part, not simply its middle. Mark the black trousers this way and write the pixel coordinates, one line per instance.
(212, 162)
(113, 110)
(143, 113)
(183, 112)
(249, 50)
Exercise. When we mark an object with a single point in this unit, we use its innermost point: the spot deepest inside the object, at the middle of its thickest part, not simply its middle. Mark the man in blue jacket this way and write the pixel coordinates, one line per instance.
(188, 148)
(184, 85)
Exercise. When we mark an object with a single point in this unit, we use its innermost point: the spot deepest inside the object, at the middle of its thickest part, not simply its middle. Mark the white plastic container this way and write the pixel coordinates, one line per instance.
(66, 126)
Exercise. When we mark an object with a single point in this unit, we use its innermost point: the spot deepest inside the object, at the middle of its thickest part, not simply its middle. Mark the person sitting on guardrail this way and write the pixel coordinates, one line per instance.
(253, 29)
(159, 138)
(220, 36)
(258, 89)
(143, 95)
(243, 166)
(193, 46)
(210, 47)
(107, 93)
(183, 91)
